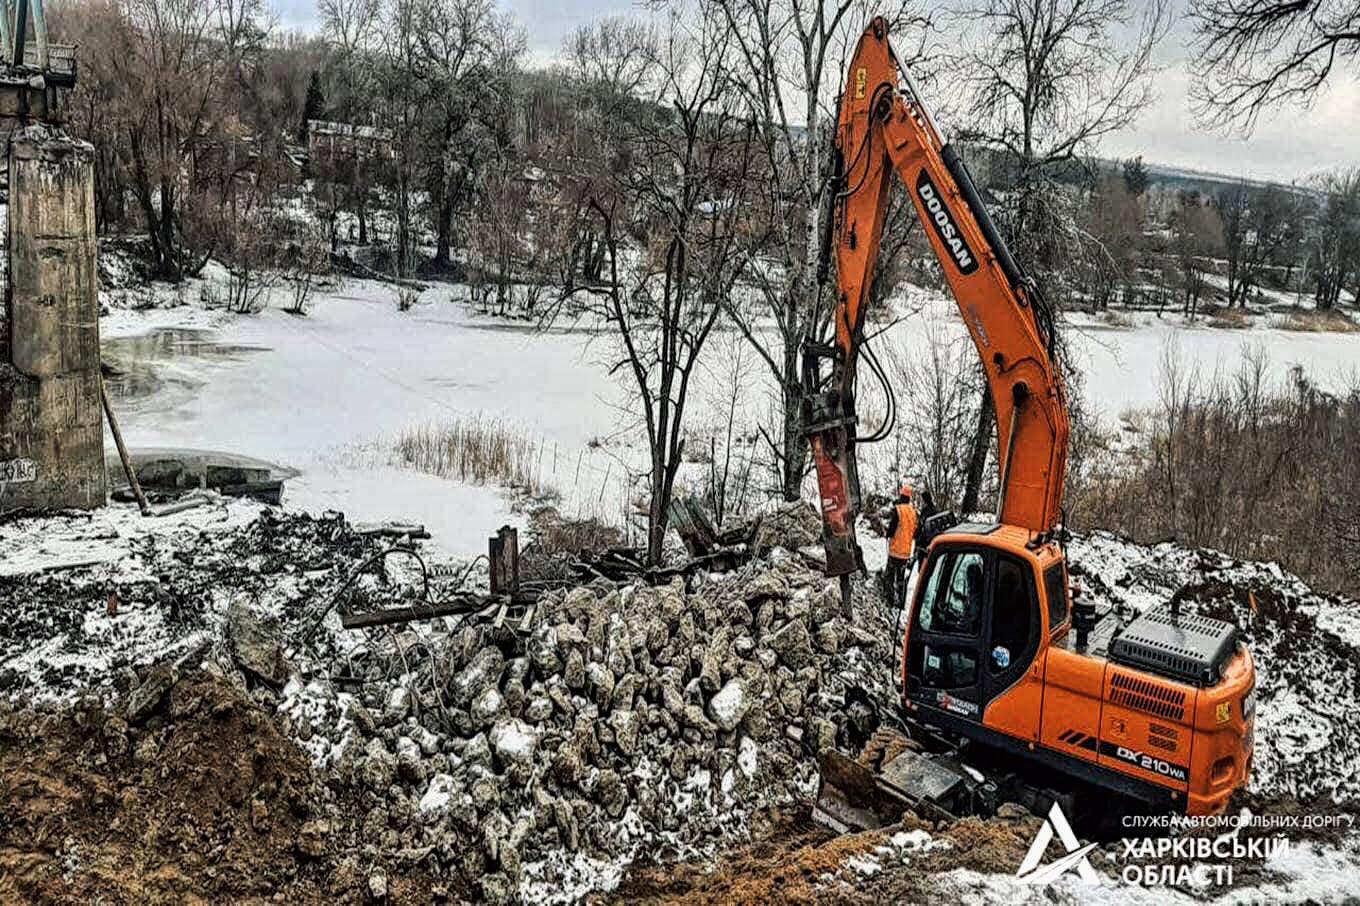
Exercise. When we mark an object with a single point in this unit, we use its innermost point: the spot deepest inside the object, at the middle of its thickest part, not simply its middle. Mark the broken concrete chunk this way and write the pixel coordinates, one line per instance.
(567, 764)
(574, 675)
(600, 680)
(255, 648)
(792, 644)
(538, 709)
(148, 695)
(729, 706)
(514, 741)
(477, 751)
(828, 637)
(378, 769)
(377, 886)
(569, 636)
(765, 586)
(626, 727)
(487, 706)
(481, 673)
(542, 649)
(438, 795)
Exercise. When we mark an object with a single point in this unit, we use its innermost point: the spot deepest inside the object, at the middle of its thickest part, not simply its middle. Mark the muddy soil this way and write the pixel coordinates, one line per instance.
(197, 799)
(794, 860)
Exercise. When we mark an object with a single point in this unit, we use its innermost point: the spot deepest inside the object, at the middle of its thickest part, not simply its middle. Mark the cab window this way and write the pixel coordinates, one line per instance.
(949, 667)
(1055, 589)
(1013, 618)
(954, 594)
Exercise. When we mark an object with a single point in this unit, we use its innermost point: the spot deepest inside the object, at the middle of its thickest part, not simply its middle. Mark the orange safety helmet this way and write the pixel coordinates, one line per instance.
(906, 491)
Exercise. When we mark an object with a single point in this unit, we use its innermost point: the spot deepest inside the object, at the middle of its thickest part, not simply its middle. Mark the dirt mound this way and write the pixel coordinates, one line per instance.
(197, 799)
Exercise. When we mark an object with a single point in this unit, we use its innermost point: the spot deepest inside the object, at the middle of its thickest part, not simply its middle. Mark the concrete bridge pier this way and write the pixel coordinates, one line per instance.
(51, 421)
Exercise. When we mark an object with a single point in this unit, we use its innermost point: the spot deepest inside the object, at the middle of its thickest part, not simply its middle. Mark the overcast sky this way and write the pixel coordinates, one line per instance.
(1288, 144)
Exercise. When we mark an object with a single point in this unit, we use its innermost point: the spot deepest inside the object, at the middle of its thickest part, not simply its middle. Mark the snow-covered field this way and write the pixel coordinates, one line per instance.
(322, 393)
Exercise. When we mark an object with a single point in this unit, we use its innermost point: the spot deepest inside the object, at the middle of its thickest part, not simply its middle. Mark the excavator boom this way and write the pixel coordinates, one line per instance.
(885, 127)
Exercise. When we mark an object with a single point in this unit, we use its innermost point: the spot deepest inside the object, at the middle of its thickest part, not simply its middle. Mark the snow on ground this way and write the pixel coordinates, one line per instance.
(121, 629)
(101, 537)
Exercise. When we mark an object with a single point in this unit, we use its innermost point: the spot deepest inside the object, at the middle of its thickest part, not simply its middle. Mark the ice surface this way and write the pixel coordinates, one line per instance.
(325, 391)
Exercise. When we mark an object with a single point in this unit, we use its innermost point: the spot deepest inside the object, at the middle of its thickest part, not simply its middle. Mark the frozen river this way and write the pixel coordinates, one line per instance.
(321, 393)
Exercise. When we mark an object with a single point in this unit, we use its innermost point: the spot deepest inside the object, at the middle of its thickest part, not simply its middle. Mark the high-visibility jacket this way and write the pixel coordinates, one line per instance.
(904, 538)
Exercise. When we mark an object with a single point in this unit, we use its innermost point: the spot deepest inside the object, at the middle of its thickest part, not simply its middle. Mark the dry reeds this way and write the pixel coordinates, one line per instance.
(476, 450)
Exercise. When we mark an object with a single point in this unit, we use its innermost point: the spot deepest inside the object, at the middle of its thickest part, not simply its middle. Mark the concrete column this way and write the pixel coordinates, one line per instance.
(51, 422)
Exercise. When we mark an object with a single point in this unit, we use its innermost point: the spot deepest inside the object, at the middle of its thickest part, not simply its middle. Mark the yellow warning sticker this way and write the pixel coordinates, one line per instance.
(1223, 712)
(861, 79)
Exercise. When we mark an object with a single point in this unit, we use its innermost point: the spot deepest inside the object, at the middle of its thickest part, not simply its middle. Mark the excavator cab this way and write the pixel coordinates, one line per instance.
(975, 626)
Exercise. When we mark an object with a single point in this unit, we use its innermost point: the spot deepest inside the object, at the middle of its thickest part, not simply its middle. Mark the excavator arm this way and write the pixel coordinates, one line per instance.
(885, 127)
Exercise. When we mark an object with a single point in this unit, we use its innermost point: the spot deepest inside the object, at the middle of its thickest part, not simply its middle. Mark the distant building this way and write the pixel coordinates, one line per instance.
(330, 142)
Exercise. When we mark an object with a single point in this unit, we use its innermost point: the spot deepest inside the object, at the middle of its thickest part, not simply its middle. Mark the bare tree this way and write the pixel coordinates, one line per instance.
(468, 58)
(350, 28)
(731, 452)
(1252, 55)
(611, 65)
(1050, 79)
(1336, 241)
(791, 56)
(1257, 224)
(1196, 232)
(166, 71)
(399, 76)
(1112, 217)
(673, 235)
(611, 58)
(497, 228)
(937, 380)
(94, 105)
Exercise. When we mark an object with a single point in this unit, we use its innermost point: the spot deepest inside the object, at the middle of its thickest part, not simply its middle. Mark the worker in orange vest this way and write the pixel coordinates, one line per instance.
(901, 540)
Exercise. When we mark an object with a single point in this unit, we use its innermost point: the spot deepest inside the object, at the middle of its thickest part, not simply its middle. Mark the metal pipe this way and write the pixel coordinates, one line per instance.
(122, 450)
(6, 35)
(40, 34)
(20, 29)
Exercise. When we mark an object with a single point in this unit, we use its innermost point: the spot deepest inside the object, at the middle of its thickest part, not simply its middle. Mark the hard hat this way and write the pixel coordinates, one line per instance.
(906, 490)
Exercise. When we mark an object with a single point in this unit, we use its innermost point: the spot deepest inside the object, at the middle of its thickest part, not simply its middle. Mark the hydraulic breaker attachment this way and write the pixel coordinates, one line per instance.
(829, 422)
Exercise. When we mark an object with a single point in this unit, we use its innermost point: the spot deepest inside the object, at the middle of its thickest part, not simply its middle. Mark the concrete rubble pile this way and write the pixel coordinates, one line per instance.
(624, 722)
(630, 718)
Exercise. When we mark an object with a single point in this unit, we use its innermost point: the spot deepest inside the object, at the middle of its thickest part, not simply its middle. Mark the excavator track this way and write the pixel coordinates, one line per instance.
(885, 745)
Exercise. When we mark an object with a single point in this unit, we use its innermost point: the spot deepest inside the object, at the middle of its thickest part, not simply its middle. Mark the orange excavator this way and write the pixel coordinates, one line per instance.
(1012, 687)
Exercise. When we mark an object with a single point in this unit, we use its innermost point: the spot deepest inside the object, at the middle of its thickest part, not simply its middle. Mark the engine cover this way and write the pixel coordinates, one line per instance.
(1188, 648)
